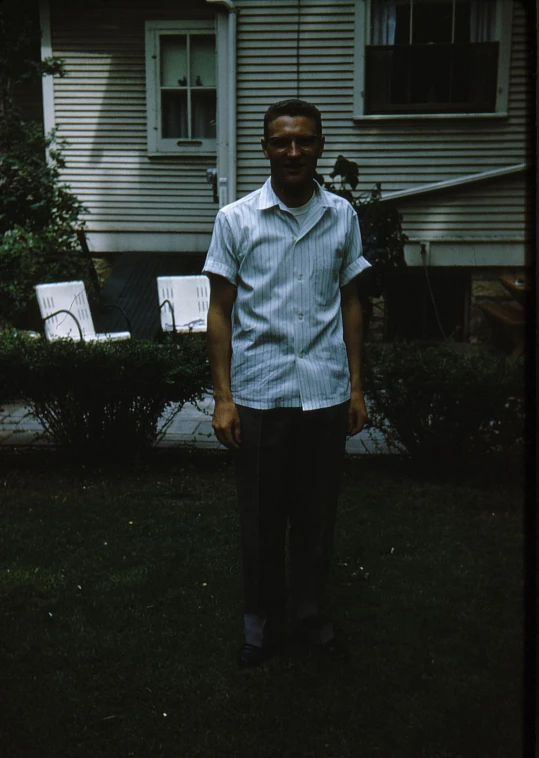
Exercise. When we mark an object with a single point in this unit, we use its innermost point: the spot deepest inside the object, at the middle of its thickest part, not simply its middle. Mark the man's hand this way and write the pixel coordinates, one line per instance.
(226, 424)
(357, 413)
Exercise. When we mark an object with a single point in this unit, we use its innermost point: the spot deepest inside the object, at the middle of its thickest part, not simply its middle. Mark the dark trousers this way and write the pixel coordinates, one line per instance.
(288, 472)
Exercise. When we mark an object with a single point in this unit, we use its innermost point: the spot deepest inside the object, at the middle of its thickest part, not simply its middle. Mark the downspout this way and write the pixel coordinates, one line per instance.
(298, 28)
(232, 152)
(228, 5)
(47, 82)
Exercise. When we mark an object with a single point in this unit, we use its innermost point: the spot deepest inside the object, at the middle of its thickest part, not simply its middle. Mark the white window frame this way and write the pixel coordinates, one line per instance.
(503, 28)
(158, 145)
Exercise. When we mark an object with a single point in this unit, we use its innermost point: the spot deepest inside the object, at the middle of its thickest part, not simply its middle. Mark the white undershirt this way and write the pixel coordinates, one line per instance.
(302, 212)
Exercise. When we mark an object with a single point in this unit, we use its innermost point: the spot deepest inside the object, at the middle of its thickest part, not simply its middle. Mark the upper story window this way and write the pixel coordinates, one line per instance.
(181, 87)
(433, 56)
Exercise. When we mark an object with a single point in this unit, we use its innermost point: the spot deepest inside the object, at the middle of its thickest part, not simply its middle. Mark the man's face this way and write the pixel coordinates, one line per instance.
(293, 148)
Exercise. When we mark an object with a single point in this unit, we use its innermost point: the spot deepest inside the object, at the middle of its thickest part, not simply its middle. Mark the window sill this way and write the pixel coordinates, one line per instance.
(182, 154)
(428, 116)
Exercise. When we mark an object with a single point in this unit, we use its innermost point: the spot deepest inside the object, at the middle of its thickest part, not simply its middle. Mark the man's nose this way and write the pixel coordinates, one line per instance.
(293, 150)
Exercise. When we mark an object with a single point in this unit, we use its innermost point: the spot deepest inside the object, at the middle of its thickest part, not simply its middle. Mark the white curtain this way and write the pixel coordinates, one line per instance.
(384, 21)
(482, 15)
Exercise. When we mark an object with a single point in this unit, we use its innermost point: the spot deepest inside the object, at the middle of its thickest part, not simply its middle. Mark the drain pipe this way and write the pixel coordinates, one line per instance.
(47, 82)
(232, 155)
(229, 181)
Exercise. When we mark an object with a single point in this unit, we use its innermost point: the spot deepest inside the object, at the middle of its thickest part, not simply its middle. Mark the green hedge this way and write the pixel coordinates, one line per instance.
(441, 404)
(109, 398)
(446, 403)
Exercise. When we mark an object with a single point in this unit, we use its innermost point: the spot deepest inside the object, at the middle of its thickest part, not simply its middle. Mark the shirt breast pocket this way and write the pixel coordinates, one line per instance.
(327, 270)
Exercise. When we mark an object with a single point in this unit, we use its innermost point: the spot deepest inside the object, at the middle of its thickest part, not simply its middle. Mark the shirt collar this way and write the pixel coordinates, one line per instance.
(268, 198)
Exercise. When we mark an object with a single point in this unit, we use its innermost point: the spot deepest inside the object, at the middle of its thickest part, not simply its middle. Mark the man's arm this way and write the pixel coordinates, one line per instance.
(352, 318)
(226, 420)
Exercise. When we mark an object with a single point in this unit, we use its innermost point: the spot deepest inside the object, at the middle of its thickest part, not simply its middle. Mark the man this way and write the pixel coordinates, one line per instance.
(284, 345)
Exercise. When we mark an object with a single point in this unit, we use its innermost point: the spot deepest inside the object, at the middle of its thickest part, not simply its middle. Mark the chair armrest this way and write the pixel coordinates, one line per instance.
(167, 302)
(119, 308)
(75, 319)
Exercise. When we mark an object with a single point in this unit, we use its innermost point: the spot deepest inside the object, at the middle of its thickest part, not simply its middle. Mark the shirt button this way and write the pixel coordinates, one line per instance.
(301, 353)
(300, 276)
(300, 316)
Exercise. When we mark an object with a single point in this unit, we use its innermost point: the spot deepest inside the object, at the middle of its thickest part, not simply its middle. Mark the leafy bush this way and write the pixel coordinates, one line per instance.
(381, 231)
(444, 404)
(28, 258)
(108, 398)
(39, 216)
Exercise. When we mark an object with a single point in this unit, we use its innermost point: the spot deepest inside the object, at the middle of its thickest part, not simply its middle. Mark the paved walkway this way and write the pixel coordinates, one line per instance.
(191, 426)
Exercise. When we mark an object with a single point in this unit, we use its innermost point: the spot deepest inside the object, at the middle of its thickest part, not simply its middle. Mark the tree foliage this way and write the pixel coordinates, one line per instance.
(380, 223)
(39, 215)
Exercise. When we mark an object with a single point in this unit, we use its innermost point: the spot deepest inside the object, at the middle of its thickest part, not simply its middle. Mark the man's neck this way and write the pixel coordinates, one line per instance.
(299, 197)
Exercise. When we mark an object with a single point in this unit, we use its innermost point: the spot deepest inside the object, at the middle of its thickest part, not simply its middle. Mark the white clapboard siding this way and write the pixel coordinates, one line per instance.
(100, 109)
(401, 155)
(484, 211)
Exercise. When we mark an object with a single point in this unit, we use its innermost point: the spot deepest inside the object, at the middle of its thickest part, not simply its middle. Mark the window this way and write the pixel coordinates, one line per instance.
(181, 87)
(433, 56)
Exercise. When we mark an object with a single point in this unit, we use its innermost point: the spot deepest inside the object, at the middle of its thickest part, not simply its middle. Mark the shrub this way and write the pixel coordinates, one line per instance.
(28, 258)
(108, 398)
(381, 232)
(39, 216)
(445, 404)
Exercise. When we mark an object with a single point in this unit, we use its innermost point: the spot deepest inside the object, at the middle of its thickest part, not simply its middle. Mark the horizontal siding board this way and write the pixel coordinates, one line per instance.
(494, 207)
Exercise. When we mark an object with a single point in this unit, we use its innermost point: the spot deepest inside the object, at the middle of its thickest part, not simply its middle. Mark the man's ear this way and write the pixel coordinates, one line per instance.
(322, 143)
(264, 147)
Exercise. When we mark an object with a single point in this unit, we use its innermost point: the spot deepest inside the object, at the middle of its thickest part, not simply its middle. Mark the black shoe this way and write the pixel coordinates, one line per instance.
(252, 655)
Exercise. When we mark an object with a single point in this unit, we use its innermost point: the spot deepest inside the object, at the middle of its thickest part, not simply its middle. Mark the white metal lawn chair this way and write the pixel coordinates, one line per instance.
(183, 303)
(66, 313)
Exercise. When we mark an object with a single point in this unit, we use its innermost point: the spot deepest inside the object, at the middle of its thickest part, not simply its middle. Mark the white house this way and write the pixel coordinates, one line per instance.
(432, 98)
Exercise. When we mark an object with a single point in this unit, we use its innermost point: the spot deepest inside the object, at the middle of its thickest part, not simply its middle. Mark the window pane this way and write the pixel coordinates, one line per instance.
(474, 75)
(174, 115)
(384, 22)
(432, 22)
(431, 78)
(430, 74)
(475, 20)
(462, 21)
(482, 18)
(379, 89)
(204, 114)
(173, 60)
(401, 75)
(202, 61)
(402, 28)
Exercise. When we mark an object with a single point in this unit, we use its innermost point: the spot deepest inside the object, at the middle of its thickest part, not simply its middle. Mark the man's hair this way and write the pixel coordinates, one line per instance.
(292, 108)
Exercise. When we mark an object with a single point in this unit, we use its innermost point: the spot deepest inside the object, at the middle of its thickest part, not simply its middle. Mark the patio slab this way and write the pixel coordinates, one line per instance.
(192, 426)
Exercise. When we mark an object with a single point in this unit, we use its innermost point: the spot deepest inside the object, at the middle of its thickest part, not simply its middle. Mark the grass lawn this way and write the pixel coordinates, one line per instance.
(122, 617)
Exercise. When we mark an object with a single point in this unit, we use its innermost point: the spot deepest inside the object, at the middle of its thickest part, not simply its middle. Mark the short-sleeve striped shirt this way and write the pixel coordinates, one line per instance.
(287, 336)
